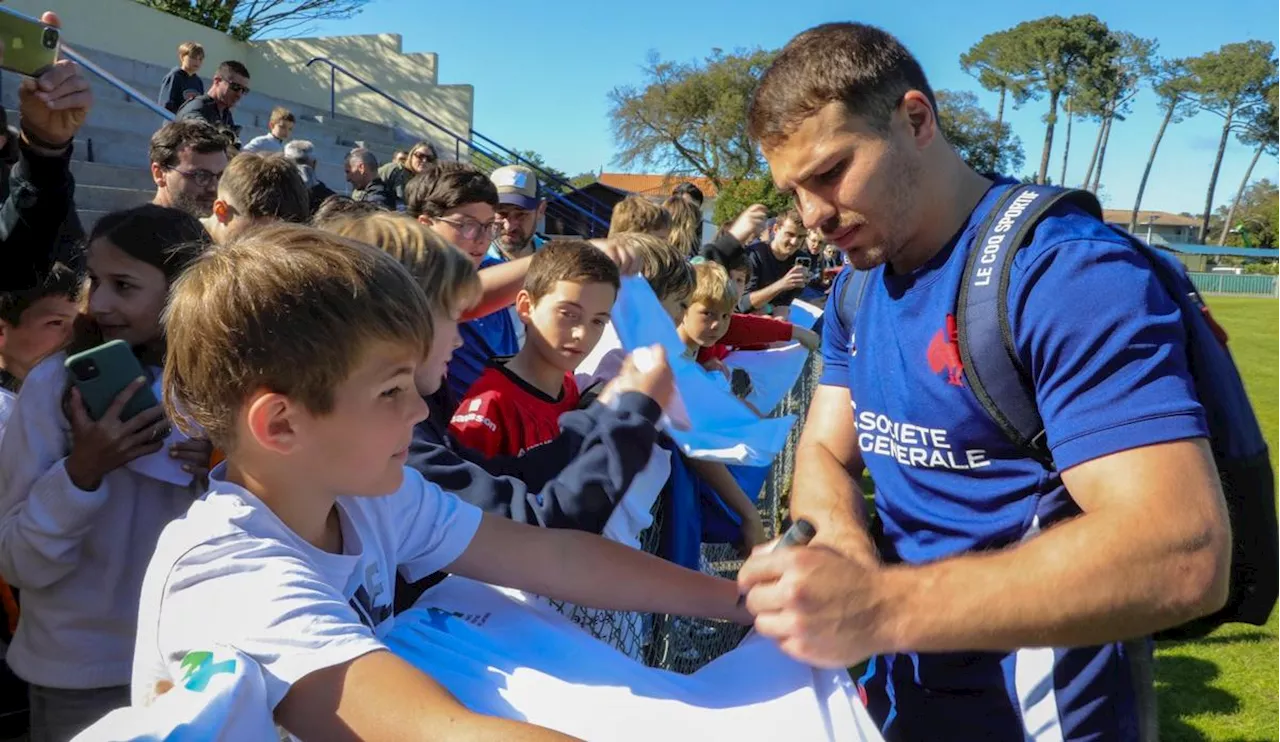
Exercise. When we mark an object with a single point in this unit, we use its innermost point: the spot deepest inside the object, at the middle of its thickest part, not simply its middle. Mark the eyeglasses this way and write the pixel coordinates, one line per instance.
(423, 155)
(202, 178)
(471, 229)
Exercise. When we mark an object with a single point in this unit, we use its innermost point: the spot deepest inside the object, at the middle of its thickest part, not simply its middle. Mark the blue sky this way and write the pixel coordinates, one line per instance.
(542, 70)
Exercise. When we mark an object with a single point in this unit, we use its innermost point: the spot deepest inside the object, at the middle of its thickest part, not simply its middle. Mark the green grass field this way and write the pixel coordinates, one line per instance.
(1224, 687)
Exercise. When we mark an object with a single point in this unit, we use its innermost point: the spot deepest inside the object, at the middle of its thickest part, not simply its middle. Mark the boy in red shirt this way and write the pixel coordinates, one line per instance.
(711, 330)
(516, 403)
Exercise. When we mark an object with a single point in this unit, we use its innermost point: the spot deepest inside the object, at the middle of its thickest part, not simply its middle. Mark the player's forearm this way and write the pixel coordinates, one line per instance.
(1102, 577)
(825, 493)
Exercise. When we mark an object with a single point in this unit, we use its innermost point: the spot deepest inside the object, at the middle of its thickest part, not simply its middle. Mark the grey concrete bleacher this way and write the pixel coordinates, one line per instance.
(110, 162)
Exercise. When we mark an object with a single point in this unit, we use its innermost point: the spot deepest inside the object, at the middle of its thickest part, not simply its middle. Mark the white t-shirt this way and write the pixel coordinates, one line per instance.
(231, 574)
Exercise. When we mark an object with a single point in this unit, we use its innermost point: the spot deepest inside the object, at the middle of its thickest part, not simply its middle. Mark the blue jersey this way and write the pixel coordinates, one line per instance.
(1103, 345)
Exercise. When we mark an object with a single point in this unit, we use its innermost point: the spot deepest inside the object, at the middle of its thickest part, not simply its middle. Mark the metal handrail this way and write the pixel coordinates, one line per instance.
(470, 140)
(116, 82)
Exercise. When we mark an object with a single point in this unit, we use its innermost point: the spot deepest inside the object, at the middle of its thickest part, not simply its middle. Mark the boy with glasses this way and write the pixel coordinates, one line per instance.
(459, 203)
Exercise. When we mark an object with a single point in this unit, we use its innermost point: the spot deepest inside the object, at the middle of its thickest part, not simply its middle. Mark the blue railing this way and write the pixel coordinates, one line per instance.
(117, 83)
(475, 142)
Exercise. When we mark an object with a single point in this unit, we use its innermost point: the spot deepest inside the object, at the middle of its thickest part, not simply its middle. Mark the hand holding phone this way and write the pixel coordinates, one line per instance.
(99, 447)
(114, 416)
(54, 99)
(29, 46)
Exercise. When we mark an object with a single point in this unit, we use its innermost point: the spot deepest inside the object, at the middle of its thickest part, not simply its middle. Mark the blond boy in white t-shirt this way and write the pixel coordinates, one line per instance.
(295, 351)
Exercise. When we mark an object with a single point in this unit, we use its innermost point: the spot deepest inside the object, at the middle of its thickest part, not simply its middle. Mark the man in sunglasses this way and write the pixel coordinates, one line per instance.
(230, 84)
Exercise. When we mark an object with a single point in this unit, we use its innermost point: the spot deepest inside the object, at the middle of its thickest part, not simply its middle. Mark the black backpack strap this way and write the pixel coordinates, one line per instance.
(991, 365)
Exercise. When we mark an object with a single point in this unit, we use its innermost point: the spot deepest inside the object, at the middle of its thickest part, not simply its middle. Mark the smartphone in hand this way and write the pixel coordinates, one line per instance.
(29, 46)
(103, 372)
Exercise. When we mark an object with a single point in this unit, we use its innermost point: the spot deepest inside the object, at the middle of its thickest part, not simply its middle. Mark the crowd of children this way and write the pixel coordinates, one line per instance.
(353, 402)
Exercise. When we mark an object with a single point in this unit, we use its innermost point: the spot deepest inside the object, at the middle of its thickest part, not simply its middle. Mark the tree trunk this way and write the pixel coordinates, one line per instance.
(1066, 146)
(1151, 159)
(995, 159)
(1102, 153)
(1213, 177)
(1231, 212)
(1097, 146)
(1048, 136)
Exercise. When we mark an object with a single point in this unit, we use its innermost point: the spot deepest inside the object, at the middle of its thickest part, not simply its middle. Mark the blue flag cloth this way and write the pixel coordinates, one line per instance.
(707, 421)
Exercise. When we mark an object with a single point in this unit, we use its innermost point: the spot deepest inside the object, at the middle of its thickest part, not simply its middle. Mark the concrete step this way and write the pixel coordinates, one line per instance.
(114, 176)
(106, 198)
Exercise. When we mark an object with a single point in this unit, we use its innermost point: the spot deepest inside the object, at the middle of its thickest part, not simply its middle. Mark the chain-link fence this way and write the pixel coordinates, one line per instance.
(683, 644)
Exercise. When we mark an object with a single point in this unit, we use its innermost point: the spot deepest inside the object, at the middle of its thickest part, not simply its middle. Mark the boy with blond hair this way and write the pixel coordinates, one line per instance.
(636, 214)
(574, 482)
(295, 351)
(279, 129)
(183, 82)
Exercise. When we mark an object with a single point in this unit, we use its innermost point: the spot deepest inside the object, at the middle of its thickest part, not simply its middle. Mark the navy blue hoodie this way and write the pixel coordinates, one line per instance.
(575, 481)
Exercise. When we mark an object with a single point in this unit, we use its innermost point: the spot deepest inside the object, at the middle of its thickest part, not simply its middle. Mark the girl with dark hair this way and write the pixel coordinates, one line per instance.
(83, 501)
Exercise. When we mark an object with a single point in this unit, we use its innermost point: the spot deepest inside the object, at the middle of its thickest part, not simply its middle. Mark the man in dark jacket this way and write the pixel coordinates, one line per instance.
(40, 184)
(230, 84)
(362, 174)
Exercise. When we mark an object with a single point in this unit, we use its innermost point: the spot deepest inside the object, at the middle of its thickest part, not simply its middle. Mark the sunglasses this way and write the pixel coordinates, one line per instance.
(235, 86)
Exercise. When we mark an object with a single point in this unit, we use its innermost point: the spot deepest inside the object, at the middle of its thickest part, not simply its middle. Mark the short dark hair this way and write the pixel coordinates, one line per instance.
(861, 66)
(203, 138)
(59, 280)
(232, 66)
(338, 207)
(690, 190)
(441, 186)
(568, 260)
(266, 186)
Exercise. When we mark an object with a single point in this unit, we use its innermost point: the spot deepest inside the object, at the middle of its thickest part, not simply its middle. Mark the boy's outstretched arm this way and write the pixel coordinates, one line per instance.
(378, 697)
(591, 571)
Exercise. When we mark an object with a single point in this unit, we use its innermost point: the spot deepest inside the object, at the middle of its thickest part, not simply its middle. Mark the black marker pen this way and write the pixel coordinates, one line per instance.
(800, 533)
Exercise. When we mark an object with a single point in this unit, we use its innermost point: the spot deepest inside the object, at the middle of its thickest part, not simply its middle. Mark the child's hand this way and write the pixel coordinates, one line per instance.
(628, 260)
(195, 455)
(656, 382)
(98, 448)
(807, 338)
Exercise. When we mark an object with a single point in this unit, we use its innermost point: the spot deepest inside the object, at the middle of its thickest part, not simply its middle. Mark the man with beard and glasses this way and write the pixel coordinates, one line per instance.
(1002, 596)
(187, 160)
